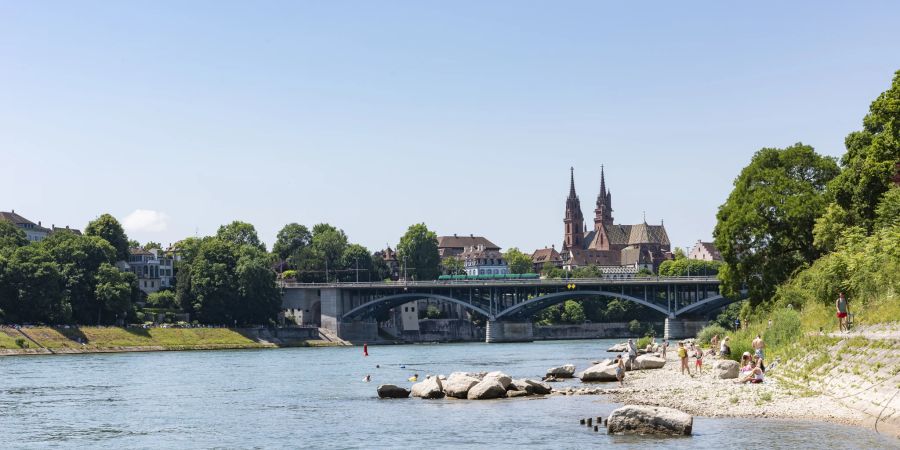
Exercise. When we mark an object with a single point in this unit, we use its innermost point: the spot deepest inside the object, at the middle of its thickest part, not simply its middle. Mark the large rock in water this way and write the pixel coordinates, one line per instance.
(500, 377)
(566, 371)
(726, 369)
(600, 372)
(520, 386)
(634, 419)
(486, 389)
(618, 348)
(458, 384)
(540, 388)
(392, 391)
(645, 362)
(430, 388)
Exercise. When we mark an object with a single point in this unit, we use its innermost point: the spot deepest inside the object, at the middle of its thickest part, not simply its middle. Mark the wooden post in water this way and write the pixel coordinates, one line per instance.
(581, 422)
(589, 420)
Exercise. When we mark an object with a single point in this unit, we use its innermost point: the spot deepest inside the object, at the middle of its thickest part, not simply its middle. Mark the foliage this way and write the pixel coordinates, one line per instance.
(517, 261)
(785, 328)
(688, 267)
(289, 274)
(113, 291)
(634, 327)
(433, 312)
(888, 211)
(870, 160)
(240, 233)
(572, 312)
(764, 229)
(380, 268)
(290, 242)
(162, 299)
(151, 245)
(32, 289)
(418, 249)
(108, 228)
(679, 254)
(79, 259)
(358, 262)
(644, 342)
(729, 314)
(326, 250)
(589, 271)
(11, 236)
(706, 334)
(452, 265)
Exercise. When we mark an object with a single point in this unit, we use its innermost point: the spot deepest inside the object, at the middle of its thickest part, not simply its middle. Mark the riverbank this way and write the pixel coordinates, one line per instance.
(75, 340)
(848, 380)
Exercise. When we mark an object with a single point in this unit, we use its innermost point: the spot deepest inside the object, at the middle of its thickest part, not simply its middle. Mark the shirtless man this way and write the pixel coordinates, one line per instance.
(842, 310)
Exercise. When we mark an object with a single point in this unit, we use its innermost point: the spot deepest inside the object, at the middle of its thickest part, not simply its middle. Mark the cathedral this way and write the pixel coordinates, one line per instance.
(615, 248)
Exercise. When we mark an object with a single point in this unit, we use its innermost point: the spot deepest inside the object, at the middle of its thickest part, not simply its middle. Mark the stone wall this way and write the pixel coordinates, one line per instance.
(585, 331)
(444, 330)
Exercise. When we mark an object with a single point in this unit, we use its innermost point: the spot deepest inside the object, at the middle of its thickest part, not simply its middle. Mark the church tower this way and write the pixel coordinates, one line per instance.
(603, 212)
(574, 221)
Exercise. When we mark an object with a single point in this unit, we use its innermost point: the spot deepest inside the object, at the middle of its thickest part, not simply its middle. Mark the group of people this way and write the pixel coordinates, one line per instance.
(684, 353)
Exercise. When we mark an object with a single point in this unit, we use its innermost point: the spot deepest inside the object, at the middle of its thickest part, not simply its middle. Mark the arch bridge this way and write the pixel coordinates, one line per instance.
(349, 309)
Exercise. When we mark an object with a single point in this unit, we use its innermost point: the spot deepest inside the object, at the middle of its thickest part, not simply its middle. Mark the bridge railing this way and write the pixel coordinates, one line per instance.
(504, 282)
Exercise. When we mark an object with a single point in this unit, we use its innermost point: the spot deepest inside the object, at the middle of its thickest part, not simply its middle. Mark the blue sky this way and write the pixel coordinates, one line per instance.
(177, 117)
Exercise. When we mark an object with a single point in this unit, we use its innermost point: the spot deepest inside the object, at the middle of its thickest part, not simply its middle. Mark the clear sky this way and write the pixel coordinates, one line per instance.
(177, 117)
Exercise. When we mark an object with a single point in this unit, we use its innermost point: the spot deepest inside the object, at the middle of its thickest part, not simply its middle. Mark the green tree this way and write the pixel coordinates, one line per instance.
(108, 228)
(418, 249)
(113, 290)
(572, 312)
(433, 312)
(871, 159)
(11, 236)
(518, 262)
(79, 259)
(162, 299)
(634, 327)
(589, 271)
(685, 267)
(453, 266)
(32, 289)
(290, 241)
(380, 268)
(240, 233)
(887, 214)
(358, 263)
(214, 288)
(258, 298)
(764, 229)
(679, 253)
(326, 253)
(151, 245)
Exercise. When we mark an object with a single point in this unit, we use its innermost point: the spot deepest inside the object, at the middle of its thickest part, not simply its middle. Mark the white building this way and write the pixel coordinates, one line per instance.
(705, 251)
(153, 268)
(33, 231)
(480, 260)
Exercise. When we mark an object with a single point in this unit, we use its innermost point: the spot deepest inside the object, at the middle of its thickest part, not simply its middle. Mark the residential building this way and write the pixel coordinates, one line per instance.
(33, 231)
(545, 255)
(154, 269)
(480, 260)
(390, 258)
(610, 245)
(456, 245)
(705, 251)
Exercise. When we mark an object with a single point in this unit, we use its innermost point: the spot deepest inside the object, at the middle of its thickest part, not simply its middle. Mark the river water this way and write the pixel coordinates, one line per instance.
(316, 398)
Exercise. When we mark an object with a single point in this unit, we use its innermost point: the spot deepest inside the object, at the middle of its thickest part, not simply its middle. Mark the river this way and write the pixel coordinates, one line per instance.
(315, 398)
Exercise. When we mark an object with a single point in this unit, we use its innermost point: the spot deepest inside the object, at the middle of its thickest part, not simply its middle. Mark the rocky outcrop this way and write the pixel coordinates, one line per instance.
(726, 369)
(430, 388)
(500, 377)
(634, 419)
(521, 386)
(392, 391)
(486, 389)
(458, 384)
(566, 371)
(600, 372)
(645, 362)
(618, 348)
(514, 394)
(540, 388)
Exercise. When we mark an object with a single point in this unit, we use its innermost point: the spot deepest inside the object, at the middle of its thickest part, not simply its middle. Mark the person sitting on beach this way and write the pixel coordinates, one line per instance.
(725, 350)
(620, 370)
(714, 342)
(755, 374)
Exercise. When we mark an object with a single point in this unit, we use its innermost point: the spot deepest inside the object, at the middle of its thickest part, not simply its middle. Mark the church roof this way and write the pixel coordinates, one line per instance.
(542, 255)
(648, 234)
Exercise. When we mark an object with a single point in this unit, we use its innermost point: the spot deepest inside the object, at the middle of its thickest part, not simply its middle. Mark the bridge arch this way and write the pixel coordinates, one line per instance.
(558, 297)
(399, 299)
(712, 302)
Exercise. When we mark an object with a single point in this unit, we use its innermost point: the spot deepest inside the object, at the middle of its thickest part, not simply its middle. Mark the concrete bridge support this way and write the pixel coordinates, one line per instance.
(497, 331)
(682, 329)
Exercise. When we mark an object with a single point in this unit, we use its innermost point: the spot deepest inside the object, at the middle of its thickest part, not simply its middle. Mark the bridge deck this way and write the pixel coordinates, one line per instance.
(642, 281)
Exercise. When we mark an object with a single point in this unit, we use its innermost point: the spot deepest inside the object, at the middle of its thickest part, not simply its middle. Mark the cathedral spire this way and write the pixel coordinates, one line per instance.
(602, 182)
(571, 182)
(603, 212)
(574, 221)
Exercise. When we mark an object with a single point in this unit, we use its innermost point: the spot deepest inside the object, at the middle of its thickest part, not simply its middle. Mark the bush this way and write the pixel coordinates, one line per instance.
(162, 299)
(289, 275)
(22, 343)
(433, 312)
(644, 341)
(785, 328)
(706, 334)
(634, 327)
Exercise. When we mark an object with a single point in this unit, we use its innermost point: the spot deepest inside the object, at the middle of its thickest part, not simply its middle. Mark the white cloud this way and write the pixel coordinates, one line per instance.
(145, 220)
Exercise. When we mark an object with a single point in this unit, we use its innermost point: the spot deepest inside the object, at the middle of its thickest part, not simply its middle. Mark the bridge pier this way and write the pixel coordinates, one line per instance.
(498, 331)
(682, 329)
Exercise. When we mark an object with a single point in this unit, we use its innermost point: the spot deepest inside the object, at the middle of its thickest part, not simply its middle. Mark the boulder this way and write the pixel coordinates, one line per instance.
(430, 388)
(458, 384)
(645, 362)
(633, 419)
(726, 369)
(520, 385)
(486, 389)
(618, 348)
(392, 391)
(566, 371)
(501, 377)
(514, 394)
(599, 373)
(540, 388)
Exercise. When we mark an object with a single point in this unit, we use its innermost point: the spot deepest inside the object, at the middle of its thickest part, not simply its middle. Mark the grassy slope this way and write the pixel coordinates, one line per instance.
(8, 338)
(112, 337)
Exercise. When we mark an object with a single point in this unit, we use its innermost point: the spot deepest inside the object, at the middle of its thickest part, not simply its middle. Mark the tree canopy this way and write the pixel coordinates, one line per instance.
(291, 239)
(764, 229)
(108, 228)
(240, 233)
(418, 249)
(518, 262)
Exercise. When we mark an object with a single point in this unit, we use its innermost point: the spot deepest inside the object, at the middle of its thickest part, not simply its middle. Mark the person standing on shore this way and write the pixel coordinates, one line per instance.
(698, 353)
(620, 370)
(683, 355)
(665, 346)
(759, 349)
(843, 309)
(632, 354)
(714, 343)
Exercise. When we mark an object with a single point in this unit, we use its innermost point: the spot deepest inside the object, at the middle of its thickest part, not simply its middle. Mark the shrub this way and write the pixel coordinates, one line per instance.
(706, 334)
(433, 312)
(289, 275)
(162, 299)
(634, 327)
(22, 343)
(785, 328)
(644, 341)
